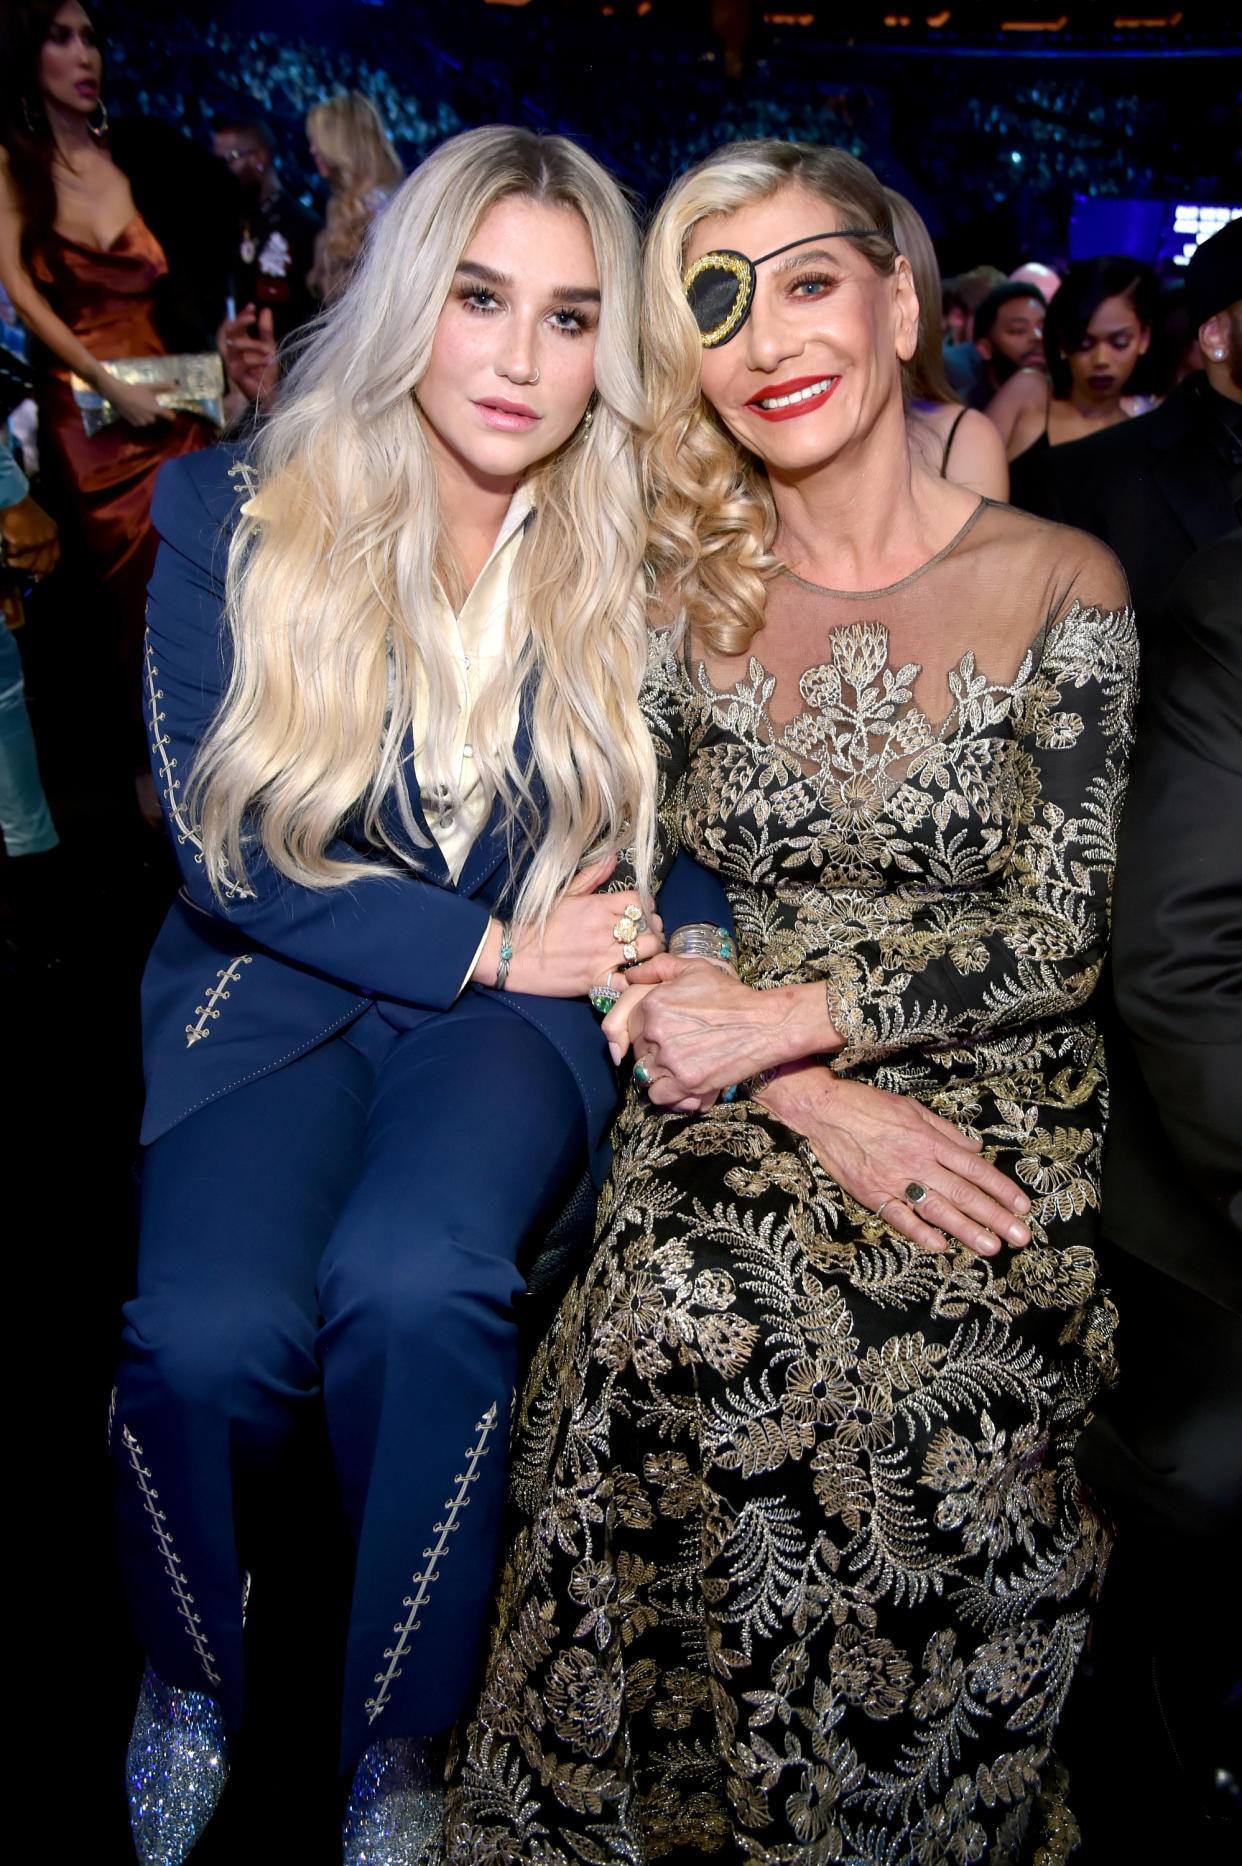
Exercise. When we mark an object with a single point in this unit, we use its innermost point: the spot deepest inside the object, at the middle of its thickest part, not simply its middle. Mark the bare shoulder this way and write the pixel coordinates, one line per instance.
(977, 455)
(1027, 389)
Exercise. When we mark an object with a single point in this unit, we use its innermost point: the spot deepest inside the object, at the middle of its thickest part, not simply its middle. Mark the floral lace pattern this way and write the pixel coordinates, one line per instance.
(802, 1569)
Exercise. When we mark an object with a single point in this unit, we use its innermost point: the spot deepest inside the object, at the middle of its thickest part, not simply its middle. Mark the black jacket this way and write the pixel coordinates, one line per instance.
(1155, 489)
(1173, 1159)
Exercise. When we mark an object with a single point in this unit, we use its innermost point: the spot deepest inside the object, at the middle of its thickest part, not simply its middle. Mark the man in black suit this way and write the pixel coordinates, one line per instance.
(1158, 487)
(1165, 1451)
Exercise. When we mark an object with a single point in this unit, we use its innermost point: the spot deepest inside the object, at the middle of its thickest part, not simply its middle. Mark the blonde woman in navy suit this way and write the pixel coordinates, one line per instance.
(393, 666)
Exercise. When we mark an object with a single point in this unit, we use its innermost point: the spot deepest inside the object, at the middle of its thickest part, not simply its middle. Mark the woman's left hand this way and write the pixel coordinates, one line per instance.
(878, 1147)
(696, 1028)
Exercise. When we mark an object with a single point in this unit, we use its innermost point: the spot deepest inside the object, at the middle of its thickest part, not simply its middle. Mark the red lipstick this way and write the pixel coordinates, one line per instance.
(796, 387)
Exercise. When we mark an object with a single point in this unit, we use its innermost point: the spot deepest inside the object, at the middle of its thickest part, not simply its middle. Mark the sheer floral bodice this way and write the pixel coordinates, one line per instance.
(914, 792)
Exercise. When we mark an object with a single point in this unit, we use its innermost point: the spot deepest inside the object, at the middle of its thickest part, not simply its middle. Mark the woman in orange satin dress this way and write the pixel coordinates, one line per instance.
(84, 272)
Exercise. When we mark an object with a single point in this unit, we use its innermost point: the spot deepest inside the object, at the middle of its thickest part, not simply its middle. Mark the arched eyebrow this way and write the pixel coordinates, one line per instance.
(820, 255)
(563, 294)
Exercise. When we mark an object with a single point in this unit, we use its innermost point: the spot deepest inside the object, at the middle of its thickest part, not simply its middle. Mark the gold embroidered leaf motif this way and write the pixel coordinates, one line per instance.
(726, 1342)
(903, 1361)
(577, 1786)
(764, 1445)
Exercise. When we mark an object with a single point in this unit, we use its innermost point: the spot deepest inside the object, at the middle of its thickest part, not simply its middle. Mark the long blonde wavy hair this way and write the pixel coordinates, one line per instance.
(329, 589)
(362, 167)
(712, 519)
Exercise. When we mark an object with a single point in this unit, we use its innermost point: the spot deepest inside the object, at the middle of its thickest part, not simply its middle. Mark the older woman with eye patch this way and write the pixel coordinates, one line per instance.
(802, 1569)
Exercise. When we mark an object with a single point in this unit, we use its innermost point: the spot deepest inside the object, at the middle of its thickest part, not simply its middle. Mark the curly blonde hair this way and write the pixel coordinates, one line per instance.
(331, 573)
(712, 521)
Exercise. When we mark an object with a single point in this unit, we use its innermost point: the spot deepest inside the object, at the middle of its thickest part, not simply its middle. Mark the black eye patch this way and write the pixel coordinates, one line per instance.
(720, 287)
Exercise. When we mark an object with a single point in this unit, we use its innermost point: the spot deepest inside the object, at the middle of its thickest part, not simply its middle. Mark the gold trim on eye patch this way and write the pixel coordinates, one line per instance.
(742, 271)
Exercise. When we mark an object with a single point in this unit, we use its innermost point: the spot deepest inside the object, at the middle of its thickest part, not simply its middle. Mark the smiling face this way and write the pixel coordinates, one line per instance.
(513, 362)
(818, 362)
(70, 64)
(1104, 361)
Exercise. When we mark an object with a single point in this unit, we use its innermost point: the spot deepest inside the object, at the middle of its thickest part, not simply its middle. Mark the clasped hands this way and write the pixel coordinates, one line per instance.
(697, 1028)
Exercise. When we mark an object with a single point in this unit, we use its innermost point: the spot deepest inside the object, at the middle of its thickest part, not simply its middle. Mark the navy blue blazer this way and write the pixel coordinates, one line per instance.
(234, 991)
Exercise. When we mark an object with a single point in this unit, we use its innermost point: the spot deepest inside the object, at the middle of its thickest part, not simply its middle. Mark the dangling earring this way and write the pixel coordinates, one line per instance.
(28, 117)
(584, 426)
(97, 122)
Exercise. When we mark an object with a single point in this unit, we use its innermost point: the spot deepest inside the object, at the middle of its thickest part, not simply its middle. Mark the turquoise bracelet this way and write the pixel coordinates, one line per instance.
(702, 940)
(506, 954)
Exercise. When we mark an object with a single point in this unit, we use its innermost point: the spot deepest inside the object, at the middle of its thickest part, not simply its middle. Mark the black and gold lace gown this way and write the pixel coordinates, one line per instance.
(801, 1570)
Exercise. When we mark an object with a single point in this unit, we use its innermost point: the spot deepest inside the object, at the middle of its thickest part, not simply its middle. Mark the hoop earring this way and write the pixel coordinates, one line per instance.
(98, 129)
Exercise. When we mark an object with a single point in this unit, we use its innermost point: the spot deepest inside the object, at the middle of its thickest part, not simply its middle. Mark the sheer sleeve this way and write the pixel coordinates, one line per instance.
(1029, 945)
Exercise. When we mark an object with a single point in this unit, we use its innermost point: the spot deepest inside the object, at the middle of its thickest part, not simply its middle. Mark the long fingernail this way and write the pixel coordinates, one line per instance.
(614, 1050)
(1019, 1234)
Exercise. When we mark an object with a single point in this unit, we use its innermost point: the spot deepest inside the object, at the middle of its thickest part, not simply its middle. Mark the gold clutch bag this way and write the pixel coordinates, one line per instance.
(197, 387)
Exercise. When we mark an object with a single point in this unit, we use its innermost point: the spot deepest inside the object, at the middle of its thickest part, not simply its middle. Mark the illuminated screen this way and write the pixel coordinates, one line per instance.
(1164, 233)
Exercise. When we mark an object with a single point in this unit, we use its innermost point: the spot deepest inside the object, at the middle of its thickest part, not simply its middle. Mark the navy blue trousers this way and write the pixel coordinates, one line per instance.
(341, 1233)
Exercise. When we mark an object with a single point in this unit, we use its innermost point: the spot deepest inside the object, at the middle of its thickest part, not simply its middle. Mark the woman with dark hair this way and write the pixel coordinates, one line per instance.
(89, 278)
(946, 437)
(1097, 328)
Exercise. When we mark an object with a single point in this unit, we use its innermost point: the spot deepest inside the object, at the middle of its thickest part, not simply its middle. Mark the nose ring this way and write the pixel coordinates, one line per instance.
(534, 379)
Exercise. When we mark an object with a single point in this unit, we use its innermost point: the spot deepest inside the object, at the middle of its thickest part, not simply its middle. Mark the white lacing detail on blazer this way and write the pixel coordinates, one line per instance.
(207, 1013)
(170, 784)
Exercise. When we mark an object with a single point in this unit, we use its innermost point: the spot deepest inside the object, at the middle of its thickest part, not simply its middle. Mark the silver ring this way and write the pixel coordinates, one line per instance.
(534, 379)
(642, 1075)
(915, 1193)
(892, 1199)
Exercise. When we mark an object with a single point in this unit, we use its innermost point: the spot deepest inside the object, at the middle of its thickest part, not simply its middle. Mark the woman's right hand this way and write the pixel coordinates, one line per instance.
(137, 403)
(577, 949)
(874, 1144)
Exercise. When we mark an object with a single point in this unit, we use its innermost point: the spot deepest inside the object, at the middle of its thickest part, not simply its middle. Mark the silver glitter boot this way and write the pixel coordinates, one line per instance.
(175, 1769)
(395, 1815)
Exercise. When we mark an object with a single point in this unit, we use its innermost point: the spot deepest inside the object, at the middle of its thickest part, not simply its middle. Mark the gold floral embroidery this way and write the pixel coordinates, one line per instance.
(803, 1566)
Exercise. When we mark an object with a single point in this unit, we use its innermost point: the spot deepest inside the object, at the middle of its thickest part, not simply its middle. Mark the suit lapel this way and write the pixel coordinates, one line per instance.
(431, 863)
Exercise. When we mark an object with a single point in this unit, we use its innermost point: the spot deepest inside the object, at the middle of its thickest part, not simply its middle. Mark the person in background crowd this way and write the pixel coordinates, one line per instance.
(1046, 282)
(956, 442)
(1009, 336)
(1158, 488)
(962, 297)
(1097, 330)
(275, 234)
(88, 276)
(399, 746)
(350, 148)
(1165, 1450)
